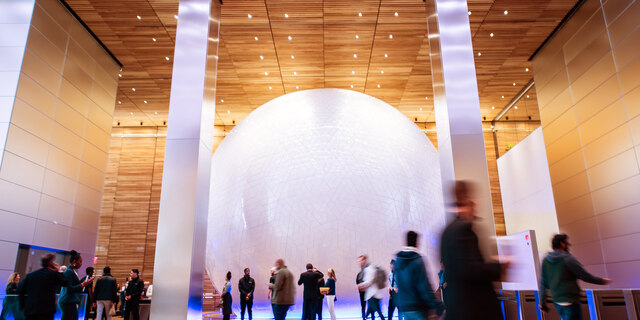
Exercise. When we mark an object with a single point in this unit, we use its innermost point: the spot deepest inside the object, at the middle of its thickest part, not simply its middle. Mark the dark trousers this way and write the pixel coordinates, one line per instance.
(246, 304)
(309, 309)
(374, 306)
(393, 307)
(132, 308)
(280, 311)
(572, 312)
(41, 316)
(319, 309)
(69, 311)
(363, 304)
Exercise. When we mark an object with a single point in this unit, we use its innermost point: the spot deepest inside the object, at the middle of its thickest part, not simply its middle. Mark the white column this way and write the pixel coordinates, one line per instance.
(457, 107)
(181, 241)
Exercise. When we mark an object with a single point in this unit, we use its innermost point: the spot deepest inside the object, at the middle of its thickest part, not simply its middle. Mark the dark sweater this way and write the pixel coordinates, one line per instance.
(414, 290)
(332, 286)
(560, 272)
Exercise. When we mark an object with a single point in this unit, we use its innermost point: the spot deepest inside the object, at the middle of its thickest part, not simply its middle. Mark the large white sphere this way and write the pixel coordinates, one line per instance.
(321, 176)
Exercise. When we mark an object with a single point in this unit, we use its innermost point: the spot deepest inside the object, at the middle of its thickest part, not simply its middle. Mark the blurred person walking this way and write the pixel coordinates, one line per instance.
(283, 291)
(469, 278)
(362, 260)
(132, 295)
(272, 280)
(246, 286)
(393, 292)
(71, 293)
(10, 304)
(415, 297)
(227, 300)
(331, 295)
(105, 294)
(560, 272)
(310, 279)
(374, 288)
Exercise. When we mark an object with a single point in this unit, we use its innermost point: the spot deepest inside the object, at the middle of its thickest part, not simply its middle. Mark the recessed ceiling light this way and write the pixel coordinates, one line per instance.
(426, 98)
(469, 12)
(527, 96)
(502, 97)
(297, 87)
(353, 72)
(266, 73)
(166, 58)
(382, 71)
(293, 57)
(228, 111)
(390, 36)
(295, 73)
(119, 102)
(479, 54)
(493, 107)
(357, 36)
(355, 55)
(514, 84)
(515, 107)
(139, 17)
(420, 108)
(491, 34)
(156, 113)
(359, 14)
(154, 39)
(133, 89)
(255, 38)
(395, 14)
(378, 86)
(526, 69)
(131, 113)
(261, 57)
(145, 101)
(386, 55)
(286, 15)
(506, 12)
(221, 100)
(249, 16)
(120, 75)
(289, 37)
(351, 86)
(175, 16)
(270, 88)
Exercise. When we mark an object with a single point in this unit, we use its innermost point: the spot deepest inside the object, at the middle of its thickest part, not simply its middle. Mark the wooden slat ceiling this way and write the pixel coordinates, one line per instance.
(357, 45)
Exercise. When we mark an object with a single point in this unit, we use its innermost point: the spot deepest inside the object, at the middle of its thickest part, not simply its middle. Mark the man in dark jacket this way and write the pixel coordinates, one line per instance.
(415, 295)
(133, 294)
(311, 292)
(469, 278)
(560, 272)
(362, 260)
(89, 291)
(105, 293)
(246, 285)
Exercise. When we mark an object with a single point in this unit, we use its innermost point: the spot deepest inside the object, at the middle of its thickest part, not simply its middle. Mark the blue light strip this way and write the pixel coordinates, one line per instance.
(593, 314)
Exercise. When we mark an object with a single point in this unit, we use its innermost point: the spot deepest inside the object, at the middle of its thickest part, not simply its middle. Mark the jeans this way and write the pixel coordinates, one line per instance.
(331, 299)
(363, 305)
(415, 315)
(572, 312)
(374, 306)
(103, 307)
(392, 307)
(280, 311)
(69, 311)
(246, 304)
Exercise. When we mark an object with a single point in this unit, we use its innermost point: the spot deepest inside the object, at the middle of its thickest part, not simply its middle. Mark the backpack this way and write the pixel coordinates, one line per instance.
(380, 278)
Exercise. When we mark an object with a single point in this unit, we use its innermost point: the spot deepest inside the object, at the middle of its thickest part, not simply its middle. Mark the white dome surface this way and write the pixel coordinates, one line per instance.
(321, 176)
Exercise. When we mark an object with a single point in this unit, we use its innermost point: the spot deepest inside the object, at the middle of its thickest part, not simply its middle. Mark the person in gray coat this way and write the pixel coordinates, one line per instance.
(284, 291)
(105, 294)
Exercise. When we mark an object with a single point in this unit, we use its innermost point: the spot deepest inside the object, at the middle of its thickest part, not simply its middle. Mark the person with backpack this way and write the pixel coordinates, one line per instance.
(374, 285)
(415, 297)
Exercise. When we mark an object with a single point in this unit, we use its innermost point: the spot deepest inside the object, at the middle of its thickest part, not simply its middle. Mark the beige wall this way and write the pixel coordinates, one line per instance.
(588, 78)
(55, 155)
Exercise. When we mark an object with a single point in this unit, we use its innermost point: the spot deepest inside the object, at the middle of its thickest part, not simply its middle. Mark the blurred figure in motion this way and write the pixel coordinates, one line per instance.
(272, 280)
(38, 290)
(226, 297)
(362, 260)
(415, 298)
(560, 272)
(374, 284)
(471, 294)
(10, 304)
(283, 291)
(393, 292)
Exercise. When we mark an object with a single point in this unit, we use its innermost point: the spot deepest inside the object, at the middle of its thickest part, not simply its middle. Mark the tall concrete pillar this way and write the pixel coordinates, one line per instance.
(182, 225)
(457, 107)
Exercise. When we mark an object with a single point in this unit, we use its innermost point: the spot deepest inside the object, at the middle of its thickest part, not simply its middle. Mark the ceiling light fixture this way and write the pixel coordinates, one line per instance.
(353, 72)
(261, 57)
(386, 55)
(420, 108)
(156, 113)
(228, 111)
(266, 73)
(479, 54)
(506, 12)
(131, 113)
(166, 58)
(145, 101)
(270, 88)
(359, 14)
(295, 73)
(357, 36)
(175, 16)
(293, 57)
(255, 38)
(249, 16)
(154, 39)
(378, 86)
(382, 71)
(390, 36)
(514, 84)
(491, 34)
(395, 14)
(297, 87)
(221, 100)
(502, 97)
(119, 102)
(469, 12)
(527, 96)
(139, 17)
(355, 55)
(289, 37)
(526, 69)
(515, 107)
(120, 75)
(133, 89)
(286, 15)
(493, 107)
(426, 98)
(351, 86)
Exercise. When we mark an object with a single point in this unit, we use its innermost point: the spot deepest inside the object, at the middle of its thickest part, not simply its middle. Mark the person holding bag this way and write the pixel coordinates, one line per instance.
(331, 293)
